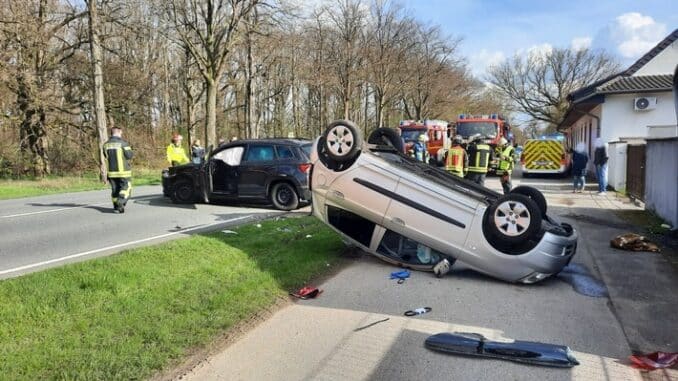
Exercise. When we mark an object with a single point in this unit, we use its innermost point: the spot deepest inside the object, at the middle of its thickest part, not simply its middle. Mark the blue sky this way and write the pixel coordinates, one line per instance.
(493, 30)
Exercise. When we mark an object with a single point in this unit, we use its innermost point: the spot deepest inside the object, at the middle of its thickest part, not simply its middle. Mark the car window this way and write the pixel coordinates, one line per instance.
(351, 224)
(231, 156)
(406, 250)
(260, 153)
(307, 149)
(284, 152)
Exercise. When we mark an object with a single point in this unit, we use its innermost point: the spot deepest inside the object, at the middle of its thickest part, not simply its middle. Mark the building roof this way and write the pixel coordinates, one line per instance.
(636, 84)
(663, 44)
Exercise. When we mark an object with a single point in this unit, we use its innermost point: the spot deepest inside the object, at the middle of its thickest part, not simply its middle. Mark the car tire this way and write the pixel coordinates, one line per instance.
(386, 137)
(535, 195)
(284, 197)
(183, 192)
(512, 219)
(342, 141)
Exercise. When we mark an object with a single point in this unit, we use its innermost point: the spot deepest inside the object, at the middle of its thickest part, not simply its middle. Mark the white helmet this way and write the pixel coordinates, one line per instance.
(503, 141)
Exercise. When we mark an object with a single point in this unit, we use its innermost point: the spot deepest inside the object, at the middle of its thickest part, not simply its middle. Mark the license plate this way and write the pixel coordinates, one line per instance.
(542, 162)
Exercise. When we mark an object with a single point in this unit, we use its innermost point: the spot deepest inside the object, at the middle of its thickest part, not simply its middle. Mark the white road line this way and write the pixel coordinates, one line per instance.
(55, 260)
(52, 210)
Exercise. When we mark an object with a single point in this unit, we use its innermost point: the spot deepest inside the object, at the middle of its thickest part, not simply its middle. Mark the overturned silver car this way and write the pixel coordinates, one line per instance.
(418, 216)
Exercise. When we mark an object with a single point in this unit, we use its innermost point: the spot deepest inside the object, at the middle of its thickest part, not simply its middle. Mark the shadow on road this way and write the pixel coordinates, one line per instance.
(160, 201)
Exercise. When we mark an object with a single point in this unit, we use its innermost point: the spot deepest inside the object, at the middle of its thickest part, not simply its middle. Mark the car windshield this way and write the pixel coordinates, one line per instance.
(412, 135)
(467, 129)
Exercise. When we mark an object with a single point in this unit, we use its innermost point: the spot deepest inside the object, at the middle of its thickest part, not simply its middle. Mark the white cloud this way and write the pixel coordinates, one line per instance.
(580, 43)
(540, 50)
(484, 59)
(632, 34)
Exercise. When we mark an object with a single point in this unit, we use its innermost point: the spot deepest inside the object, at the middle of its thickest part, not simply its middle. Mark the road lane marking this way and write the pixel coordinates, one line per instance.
(120, 245)
(52, 210)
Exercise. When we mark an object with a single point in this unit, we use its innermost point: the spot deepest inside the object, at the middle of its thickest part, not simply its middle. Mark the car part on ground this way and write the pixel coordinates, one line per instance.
(529, 352)
(415, 215)
(634, 242)
(654, 360)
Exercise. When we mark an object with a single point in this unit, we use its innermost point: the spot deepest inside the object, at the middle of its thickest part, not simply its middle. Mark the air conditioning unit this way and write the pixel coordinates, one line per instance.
(644, 103)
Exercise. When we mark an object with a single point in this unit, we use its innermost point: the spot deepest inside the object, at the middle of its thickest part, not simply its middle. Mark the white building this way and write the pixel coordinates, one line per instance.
(636, 103)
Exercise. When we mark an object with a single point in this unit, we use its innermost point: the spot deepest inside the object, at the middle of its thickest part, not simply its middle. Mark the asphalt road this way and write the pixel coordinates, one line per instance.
(48, 231)
(317, 339)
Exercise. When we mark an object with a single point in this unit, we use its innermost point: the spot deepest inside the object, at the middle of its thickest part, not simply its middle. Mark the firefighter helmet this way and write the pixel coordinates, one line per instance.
(457, 139)
(503, 141)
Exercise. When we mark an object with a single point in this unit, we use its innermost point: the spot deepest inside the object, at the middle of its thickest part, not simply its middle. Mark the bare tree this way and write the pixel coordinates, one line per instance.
(538, 83)
(98, 88)
(207, 28)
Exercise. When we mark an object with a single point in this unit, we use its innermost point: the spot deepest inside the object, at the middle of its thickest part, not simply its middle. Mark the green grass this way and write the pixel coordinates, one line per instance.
(130, 315)
(51, 185)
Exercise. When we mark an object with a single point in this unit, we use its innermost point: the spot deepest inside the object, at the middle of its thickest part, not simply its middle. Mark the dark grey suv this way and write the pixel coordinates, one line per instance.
(264, 170)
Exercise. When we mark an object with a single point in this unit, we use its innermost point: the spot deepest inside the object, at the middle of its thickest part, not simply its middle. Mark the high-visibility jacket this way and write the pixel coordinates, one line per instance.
(420, 152)
(479, 158)
(506, 160)
(176, 154)
(457, 161)
(117, 153)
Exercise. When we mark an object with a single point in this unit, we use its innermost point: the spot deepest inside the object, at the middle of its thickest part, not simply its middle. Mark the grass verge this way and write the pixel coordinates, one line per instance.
(128, 316)
(51, 185)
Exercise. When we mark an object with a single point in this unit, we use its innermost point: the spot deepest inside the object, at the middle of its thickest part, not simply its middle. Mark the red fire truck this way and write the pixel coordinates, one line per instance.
(435, 130)
(491, 128)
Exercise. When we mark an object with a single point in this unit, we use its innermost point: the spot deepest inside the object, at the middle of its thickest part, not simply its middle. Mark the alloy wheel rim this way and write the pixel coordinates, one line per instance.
(512, 218)
(340, 140)
(284, 196)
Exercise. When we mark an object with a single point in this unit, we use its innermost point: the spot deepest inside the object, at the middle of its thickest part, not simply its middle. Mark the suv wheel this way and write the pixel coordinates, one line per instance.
(533, 194)
(284, 197)
(386, 136)
(342, 141)
(183, 192)
(512, 219)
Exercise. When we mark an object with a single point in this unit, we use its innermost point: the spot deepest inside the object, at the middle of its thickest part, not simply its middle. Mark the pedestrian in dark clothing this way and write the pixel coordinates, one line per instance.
(117, 153)
(197, 152)
(600, 160)
(579, 161)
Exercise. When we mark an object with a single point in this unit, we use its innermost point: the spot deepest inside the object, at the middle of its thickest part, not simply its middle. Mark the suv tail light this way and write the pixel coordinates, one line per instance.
(305, 167)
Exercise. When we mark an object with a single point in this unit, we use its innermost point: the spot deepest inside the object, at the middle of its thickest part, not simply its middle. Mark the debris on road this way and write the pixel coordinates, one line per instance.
(400, 275)
(371, 324)
(284, 230)
(307, 292)
(634, 242)
(228, 232)
(258, 225)
(582, 281)
(417, 311)
(309, 236)
(529, 352)
(655, 360)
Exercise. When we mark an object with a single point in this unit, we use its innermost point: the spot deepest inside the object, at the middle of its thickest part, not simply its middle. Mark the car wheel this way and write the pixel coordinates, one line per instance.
(533, 194)
(512, 219)
(386, 136)
(284, 197)
(342, 141)
(183, 192)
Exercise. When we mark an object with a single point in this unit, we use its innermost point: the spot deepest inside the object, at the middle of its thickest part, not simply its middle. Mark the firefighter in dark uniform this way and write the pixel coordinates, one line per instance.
(480, 156)
(117, 153)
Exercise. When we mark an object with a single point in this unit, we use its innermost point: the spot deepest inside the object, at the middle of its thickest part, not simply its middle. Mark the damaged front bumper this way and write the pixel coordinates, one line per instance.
(530, 352)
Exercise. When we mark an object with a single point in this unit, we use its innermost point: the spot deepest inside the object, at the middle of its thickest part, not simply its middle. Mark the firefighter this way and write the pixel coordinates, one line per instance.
(457, 159)
(175, 152)
(117, 153)
(420, 149)
(506, 162)
(480, 155)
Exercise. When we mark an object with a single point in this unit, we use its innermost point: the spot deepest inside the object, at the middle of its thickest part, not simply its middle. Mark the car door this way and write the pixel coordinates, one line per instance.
(257, 166)
(430, 213)
(223, 172)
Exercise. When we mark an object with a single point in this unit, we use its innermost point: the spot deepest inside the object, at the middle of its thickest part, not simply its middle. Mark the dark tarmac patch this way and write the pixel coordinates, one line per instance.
(582, 281)
(598, 221)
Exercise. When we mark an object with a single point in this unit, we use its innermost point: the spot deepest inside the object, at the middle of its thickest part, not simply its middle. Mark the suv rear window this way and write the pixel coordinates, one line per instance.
(285, 152)
(260, 153)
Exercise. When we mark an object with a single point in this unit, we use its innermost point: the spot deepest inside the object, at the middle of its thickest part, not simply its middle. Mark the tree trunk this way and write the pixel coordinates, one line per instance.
(211, 111)
(98, 89)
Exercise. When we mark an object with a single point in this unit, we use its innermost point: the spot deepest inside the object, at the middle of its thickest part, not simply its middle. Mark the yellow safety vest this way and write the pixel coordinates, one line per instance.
(506, 160)
(455, 161)
(480, 160)
(117, 153)
(176, 154)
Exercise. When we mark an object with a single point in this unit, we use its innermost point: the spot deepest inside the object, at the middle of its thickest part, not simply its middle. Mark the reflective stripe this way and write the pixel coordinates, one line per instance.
(543, 155)
(481, 159)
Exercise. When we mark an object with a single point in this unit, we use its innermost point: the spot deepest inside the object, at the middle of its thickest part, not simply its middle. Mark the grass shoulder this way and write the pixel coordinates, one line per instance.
(10, 189)
(130, 315)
